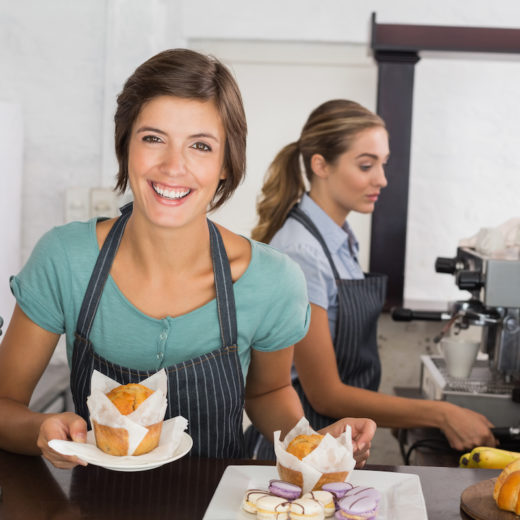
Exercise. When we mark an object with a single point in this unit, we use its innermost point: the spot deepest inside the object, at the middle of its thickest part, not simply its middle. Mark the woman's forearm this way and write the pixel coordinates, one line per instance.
(280, 409)
(19, 427)
(390, 411)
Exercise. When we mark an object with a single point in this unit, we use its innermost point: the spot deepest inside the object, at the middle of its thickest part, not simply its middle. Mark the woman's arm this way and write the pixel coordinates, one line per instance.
(317, 369)
(273, 404)
(271, 401)
(24, 354)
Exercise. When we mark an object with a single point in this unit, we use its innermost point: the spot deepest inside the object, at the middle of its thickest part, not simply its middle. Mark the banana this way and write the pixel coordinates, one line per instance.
(491, 458)
(464, 460)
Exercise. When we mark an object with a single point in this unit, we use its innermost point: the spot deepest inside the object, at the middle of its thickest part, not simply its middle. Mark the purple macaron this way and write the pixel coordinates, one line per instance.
(359, 502)
(338, 489)
(283, 489)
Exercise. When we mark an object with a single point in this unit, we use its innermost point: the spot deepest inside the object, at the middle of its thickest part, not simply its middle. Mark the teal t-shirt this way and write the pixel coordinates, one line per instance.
(270, 297)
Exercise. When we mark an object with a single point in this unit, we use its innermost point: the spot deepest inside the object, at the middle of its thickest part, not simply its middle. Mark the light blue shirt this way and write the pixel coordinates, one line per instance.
(297, 242)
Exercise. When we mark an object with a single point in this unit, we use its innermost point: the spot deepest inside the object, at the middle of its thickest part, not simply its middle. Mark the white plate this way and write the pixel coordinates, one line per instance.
(91, 454)
(134, 465)
(402, 497)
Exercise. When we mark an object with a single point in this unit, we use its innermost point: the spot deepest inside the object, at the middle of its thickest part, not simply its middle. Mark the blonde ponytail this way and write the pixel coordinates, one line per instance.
(282, 188)
(329, 131)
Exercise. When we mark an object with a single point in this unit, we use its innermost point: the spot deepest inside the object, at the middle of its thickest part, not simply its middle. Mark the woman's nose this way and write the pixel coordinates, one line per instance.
(380, 179)
(173, 161)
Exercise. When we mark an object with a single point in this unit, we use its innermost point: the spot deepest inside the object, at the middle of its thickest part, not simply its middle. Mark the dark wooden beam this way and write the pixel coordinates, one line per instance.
(396, 37)
(394, 105)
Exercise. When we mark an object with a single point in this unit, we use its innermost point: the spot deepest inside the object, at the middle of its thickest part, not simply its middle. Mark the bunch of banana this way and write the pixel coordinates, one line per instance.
(489, 458)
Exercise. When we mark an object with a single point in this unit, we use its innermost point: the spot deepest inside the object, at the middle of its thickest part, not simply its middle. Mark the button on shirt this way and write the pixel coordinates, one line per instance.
(297, 242)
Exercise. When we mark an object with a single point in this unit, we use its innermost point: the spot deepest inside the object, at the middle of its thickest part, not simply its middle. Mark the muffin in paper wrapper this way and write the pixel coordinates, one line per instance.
(331, 461)
(128, 434)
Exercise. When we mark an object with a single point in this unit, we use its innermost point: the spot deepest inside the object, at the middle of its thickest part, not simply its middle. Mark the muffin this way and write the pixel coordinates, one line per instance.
(310, 460)
(114, 441)
(302, 445)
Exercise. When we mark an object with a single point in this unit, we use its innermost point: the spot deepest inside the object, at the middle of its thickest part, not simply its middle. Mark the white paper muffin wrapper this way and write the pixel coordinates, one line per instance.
(150, 412)
(332, 455)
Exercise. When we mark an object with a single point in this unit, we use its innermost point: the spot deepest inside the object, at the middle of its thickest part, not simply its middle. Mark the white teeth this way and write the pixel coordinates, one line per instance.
(171, 194)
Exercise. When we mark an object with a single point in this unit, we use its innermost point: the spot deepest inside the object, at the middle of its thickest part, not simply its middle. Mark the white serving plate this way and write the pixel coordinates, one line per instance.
(402, 497)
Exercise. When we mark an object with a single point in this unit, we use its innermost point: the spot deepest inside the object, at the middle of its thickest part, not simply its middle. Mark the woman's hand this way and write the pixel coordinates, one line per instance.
(465, 428)
(363, 431)
(65, 426)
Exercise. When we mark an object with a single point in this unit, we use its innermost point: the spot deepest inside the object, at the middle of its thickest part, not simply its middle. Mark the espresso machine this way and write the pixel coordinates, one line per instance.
(493, 387)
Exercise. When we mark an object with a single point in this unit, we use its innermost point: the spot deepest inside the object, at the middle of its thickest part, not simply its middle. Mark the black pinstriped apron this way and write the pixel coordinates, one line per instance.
(207, 390)
(360, 303)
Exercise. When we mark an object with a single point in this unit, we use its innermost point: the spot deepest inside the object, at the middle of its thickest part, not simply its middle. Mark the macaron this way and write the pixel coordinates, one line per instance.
(250, 498)
(270, 507)
(284, 489)
(359, 503)
(338, 489)
(306, 509)
(325, 498)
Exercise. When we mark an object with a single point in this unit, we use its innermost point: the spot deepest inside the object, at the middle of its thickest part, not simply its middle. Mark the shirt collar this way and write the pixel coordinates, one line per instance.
(334, 235)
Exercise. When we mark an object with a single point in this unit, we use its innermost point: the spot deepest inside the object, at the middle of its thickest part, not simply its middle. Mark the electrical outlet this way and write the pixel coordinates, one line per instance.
(103, 203)
(77, 204)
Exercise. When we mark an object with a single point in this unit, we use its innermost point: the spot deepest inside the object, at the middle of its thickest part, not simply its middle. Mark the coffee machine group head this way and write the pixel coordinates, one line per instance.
(494, 284)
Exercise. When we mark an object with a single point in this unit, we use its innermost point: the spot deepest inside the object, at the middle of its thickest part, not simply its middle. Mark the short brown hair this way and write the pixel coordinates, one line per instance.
(186, 74)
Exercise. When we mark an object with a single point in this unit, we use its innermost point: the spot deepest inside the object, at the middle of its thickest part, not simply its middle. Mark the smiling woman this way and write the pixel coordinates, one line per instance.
(162, 286)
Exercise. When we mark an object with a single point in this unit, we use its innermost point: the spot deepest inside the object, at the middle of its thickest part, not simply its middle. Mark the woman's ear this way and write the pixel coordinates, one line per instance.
(319, 166)
(223, 174)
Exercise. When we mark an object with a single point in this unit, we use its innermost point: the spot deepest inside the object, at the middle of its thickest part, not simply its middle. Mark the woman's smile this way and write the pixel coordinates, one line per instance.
(170, 194)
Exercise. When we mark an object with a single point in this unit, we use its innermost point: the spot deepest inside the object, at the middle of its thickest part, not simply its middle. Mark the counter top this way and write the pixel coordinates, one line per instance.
(31, 488)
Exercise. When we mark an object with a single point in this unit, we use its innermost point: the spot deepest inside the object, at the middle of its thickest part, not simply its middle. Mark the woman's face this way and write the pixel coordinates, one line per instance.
(175, 159)
(356, 178)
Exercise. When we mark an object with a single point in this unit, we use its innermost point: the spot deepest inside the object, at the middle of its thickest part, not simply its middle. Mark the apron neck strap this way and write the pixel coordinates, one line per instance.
(227, 315)
(100, 272)
(298, 214)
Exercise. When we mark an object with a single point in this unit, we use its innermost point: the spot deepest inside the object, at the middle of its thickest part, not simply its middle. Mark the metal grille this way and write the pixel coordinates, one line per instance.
(480, 381)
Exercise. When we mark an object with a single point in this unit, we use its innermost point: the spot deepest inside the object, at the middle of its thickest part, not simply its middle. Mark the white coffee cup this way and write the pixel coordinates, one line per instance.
(460, 355)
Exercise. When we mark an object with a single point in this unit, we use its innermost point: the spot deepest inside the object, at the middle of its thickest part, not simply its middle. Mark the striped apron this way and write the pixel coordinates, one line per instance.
(207, 390)
(360, 303)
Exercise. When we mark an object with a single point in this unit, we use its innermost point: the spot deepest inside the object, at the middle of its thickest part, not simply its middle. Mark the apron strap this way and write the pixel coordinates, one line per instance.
(100, 273)
(227, 315)
(297, 214)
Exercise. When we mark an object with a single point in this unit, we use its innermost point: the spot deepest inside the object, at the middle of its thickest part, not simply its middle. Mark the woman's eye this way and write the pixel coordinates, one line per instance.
(203, 147)
(152, 139)
(365, 167)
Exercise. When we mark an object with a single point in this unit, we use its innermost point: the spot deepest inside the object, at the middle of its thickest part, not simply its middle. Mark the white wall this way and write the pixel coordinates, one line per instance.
(465, 164)
(64, 60)
(11, 139)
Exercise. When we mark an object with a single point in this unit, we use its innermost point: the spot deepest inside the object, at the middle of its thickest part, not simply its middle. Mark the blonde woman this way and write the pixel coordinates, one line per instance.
(343, 148)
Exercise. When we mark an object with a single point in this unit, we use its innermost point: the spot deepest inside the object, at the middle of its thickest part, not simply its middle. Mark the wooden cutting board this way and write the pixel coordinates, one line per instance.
(478, 503)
